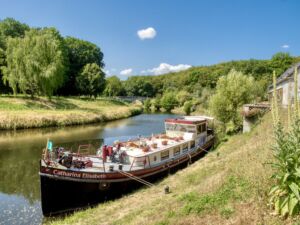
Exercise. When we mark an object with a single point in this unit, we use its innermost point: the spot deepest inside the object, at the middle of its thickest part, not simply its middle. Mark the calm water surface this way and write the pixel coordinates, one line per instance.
(20, 152)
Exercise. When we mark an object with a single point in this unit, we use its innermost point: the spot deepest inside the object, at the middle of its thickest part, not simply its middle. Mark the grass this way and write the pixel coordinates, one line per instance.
(22, 112)
(228, 186)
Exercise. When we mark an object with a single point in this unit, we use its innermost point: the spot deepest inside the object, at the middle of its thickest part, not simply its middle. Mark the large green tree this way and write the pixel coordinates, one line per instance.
(113, 86)
(91, 80)
(280, 62)
(80, 53)
(9, 27)
(36, 64)
(232, 91)
(139, 86)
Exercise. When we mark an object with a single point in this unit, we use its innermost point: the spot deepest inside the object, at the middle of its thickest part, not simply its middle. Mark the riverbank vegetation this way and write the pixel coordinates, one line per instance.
(40, 62)
(219, 90)
(24, 112)
(46, 63)
(228, 186)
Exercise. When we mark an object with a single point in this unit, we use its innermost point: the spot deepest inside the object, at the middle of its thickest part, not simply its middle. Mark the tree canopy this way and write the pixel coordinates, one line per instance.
(10, 27)
(138, 86)
(36, 64)
(91, 80)
(80, 53)
(168, 101)
(232, 91)
(193, 81)
(113, 86)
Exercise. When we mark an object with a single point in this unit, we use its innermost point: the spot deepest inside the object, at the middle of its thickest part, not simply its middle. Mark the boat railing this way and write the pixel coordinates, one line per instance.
(144, 160)
(84, 149)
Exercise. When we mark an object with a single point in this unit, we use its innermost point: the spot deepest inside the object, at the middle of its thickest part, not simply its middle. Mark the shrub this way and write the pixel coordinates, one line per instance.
(187, 107)
(168, 101)
(182, 97)
(156, 103)
(147, 104)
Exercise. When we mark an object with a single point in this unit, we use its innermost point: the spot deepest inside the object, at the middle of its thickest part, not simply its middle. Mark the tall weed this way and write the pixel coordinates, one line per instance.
(285, 194)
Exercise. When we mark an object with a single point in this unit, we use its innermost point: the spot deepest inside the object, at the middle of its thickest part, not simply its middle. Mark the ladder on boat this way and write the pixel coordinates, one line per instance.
(138, 179)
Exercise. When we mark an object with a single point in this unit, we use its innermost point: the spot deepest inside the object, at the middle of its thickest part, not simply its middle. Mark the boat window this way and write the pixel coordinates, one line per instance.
(176, 151)
(201, 128)
(169, 126)
(191, 128)
(184, 147)
(164, 155)
(154, 158)
(198, 129)
(192, 144)
(180, 127)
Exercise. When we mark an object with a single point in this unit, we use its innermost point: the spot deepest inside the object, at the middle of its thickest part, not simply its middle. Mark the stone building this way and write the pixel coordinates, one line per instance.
(285, 86)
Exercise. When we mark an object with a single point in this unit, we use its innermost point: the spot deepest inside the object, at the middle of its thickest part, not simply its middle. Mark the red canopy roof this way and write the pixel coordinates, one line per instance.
(184, 121)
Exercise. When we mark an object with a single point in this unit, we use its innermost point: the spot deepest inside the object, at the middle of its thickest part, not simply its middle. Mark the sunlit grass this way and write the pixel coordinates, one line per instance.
(22, 112)
(228, 186)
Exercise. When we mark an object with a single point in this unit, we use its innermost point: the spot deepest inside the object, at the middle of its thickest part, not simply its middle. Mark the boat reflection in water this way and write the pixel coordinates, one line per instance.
(83, 174)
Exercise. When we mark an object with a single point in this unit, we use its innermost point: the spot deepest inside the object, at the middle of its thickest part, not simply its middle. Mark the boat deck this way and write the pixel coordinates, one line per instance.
(98, 166)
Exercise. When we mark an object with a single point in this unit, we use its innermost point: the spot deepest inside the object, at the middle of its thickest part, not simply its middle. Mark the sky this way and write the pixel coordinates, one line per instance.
(140, 37)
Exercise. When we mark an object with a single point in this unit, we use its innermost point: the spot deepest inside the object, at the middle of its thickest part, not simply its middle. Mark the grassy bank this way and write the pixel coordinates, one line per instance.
(22, 112)
(227, 186)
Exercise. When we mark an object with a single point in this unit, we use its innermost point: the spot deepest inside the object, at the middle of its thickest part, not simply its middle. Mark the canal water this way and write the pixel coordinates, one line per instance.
(20, 152)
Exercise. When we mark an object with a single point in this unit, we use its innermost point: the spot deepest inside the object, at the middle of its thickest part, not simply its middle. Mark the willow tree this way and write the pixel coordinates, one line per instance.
(36, 64)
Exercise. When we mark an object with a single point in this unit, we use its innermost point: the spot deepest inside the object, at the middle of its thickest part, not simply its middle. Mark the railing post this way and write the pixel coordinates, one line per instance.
(149, 161)
(132, 164)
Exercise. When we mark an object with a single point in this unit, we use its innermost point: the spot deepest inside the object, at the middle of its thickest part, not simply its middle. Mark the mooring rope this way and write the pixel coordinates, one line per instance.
(136, 178)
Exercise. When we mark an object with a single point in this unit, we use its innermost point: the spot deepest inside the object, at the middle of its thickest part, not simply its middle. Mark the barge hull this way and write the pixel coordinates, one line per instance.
(62, 195)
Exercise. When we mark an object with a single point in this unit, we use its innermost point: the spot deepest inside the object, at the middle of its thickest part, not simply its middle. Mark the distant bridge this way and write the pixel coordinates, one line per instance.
(131, 98)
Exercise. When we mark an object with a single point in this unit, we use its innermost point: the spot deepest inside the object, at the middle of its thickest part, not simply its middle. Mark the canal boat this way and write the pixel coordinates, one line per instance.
(74, 179)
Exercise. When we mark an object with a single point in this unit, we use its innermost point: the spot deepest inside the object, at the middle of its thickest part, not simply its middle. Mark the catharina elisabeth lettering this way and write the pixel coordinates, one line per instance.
(78, 175)
(66, 174)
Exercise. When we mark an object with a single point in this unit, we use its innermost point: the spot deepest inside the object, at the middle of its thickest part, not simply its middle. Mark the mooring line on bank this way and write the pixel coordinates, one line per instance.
(136, 178)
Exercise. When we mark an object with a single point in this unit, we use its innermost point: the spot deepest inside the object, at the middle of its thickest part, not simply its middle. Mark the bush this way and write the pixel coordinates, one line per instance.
(156, 103)
(206, 93)
(182, 97)
(147, 104)
(187, 107)
(168, 101)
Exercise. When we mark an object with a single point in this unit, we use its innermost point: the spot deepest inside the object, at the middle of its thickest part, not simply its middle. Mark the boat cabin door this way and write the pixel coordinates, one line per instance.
(201, 133)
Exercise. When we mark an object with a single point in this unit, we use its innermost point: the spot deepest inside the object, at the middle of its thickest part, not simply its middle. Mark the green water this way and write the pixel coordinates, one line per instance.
(20, 152)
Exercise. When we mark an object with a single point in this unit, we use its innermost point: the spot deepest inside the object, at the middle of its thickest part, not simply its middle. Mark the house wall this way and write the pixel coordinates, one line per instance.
(284, 91)
(287, 89)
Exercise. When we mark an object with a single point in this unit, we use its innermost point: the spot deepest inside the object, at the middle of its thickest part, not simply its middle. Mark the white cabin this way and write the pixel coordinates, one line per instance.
(182, 136)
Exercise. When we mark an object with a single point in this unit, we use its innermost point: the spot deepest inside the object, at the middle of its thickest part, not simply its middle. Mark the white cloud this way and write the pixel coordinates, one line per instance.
(166, 68)
(107, 72)
(285, 46)
(147, 33)
(126, 72)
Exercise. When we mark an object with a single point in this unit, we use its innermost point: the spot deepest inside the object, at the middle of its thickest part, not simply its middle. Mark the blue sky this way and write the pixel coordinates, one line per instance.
(188, 33)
